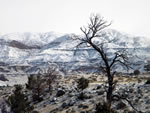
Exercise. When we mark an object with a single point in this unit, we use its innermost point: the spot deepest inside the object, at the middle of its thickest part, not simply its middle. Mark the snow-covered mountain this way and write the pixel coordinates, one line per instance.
(36, 49)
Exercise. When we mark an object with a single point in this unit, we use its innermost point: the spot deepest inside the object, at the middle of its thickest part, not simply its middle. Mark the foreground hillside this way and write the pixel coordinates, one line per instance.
(66, 98)
(133, 88)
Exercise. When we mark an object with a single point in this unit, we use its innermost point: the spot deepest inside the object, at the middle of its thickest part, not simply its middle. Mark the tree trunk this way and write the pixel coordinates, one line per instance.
(109, 95)
(110, 89)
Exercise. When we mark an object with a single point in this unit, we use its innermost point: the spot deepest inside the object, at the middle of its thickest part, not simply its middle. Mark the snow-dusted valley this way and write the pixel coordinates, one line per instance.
(26, 53)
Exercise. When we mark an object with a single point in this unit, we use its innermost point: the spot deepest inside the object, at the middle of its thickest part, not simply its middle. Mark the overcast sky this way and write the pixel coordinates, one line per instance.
(67, 16)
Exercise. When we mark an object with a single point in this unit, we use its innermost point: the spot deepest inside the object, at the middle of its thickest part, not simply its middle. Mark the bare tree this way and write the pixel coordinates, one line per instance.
(99, 41)
(50, 75)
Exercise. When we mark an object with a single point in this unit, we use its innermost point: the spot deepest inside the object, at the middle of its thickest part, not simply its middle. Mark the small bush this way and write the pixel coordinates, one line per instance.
(31, 81)
(60, 93)
(37, 98)
(148, 81)
(120, 105)
(82, 83)
(103, 108)
(81, 96)
(136, 72)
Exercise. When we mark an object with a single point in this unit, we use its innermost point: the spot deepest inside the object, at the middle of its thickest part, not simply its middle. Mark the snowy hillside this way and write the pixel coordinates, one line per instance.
(36, 49)
(31, 38)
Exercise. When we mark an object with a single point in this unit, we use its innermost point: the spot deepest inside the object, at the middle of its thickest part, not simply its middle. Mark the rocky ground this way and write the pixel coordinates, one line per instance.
(66, 99)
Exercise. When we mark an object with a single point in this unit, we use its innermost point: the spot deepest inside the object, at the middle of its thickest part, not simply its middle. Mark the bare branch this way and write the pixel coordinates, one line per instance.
(93, 32)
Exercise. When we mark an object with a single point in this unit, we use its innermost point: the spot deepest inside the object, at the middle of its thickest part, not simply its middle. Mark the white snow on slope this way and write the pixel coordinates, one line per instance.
(32, 38)
(59, 47)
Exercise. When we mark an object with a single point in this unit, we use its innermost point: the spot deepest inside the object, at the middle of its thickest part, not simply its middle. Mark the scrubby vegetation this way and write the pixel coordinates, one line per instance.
(66, 97)
(38, 88)
(82, 83)
(147, 81)
(136, 72)
(31, 82)
(18, 101)
(103, 108)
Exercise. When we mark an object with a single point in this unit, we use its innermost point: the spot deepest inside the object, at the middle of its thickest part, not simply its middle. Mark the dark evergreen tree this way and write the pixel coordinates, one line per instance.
(18, 101)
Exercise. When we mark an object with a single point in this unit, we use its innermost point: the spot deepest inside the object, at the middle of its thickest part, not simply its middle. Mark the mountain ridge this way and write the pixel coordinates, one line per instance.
(38, 49)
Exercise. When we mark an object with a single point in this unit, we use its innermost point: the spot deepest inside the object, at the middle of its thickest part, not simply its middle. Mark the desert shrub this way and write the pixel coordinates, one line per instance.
(31, 81)
(60, 93)
(139, 80)
(81, 96)
(37, 98)
(136, 72)
(82, 83)
(148, 81)
(103, 108)
(120, 105)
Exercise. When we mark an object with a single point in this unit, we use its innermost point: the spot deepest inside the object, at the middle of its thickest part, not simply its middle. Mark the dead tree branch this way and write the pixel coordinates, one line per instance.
(92, 33)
